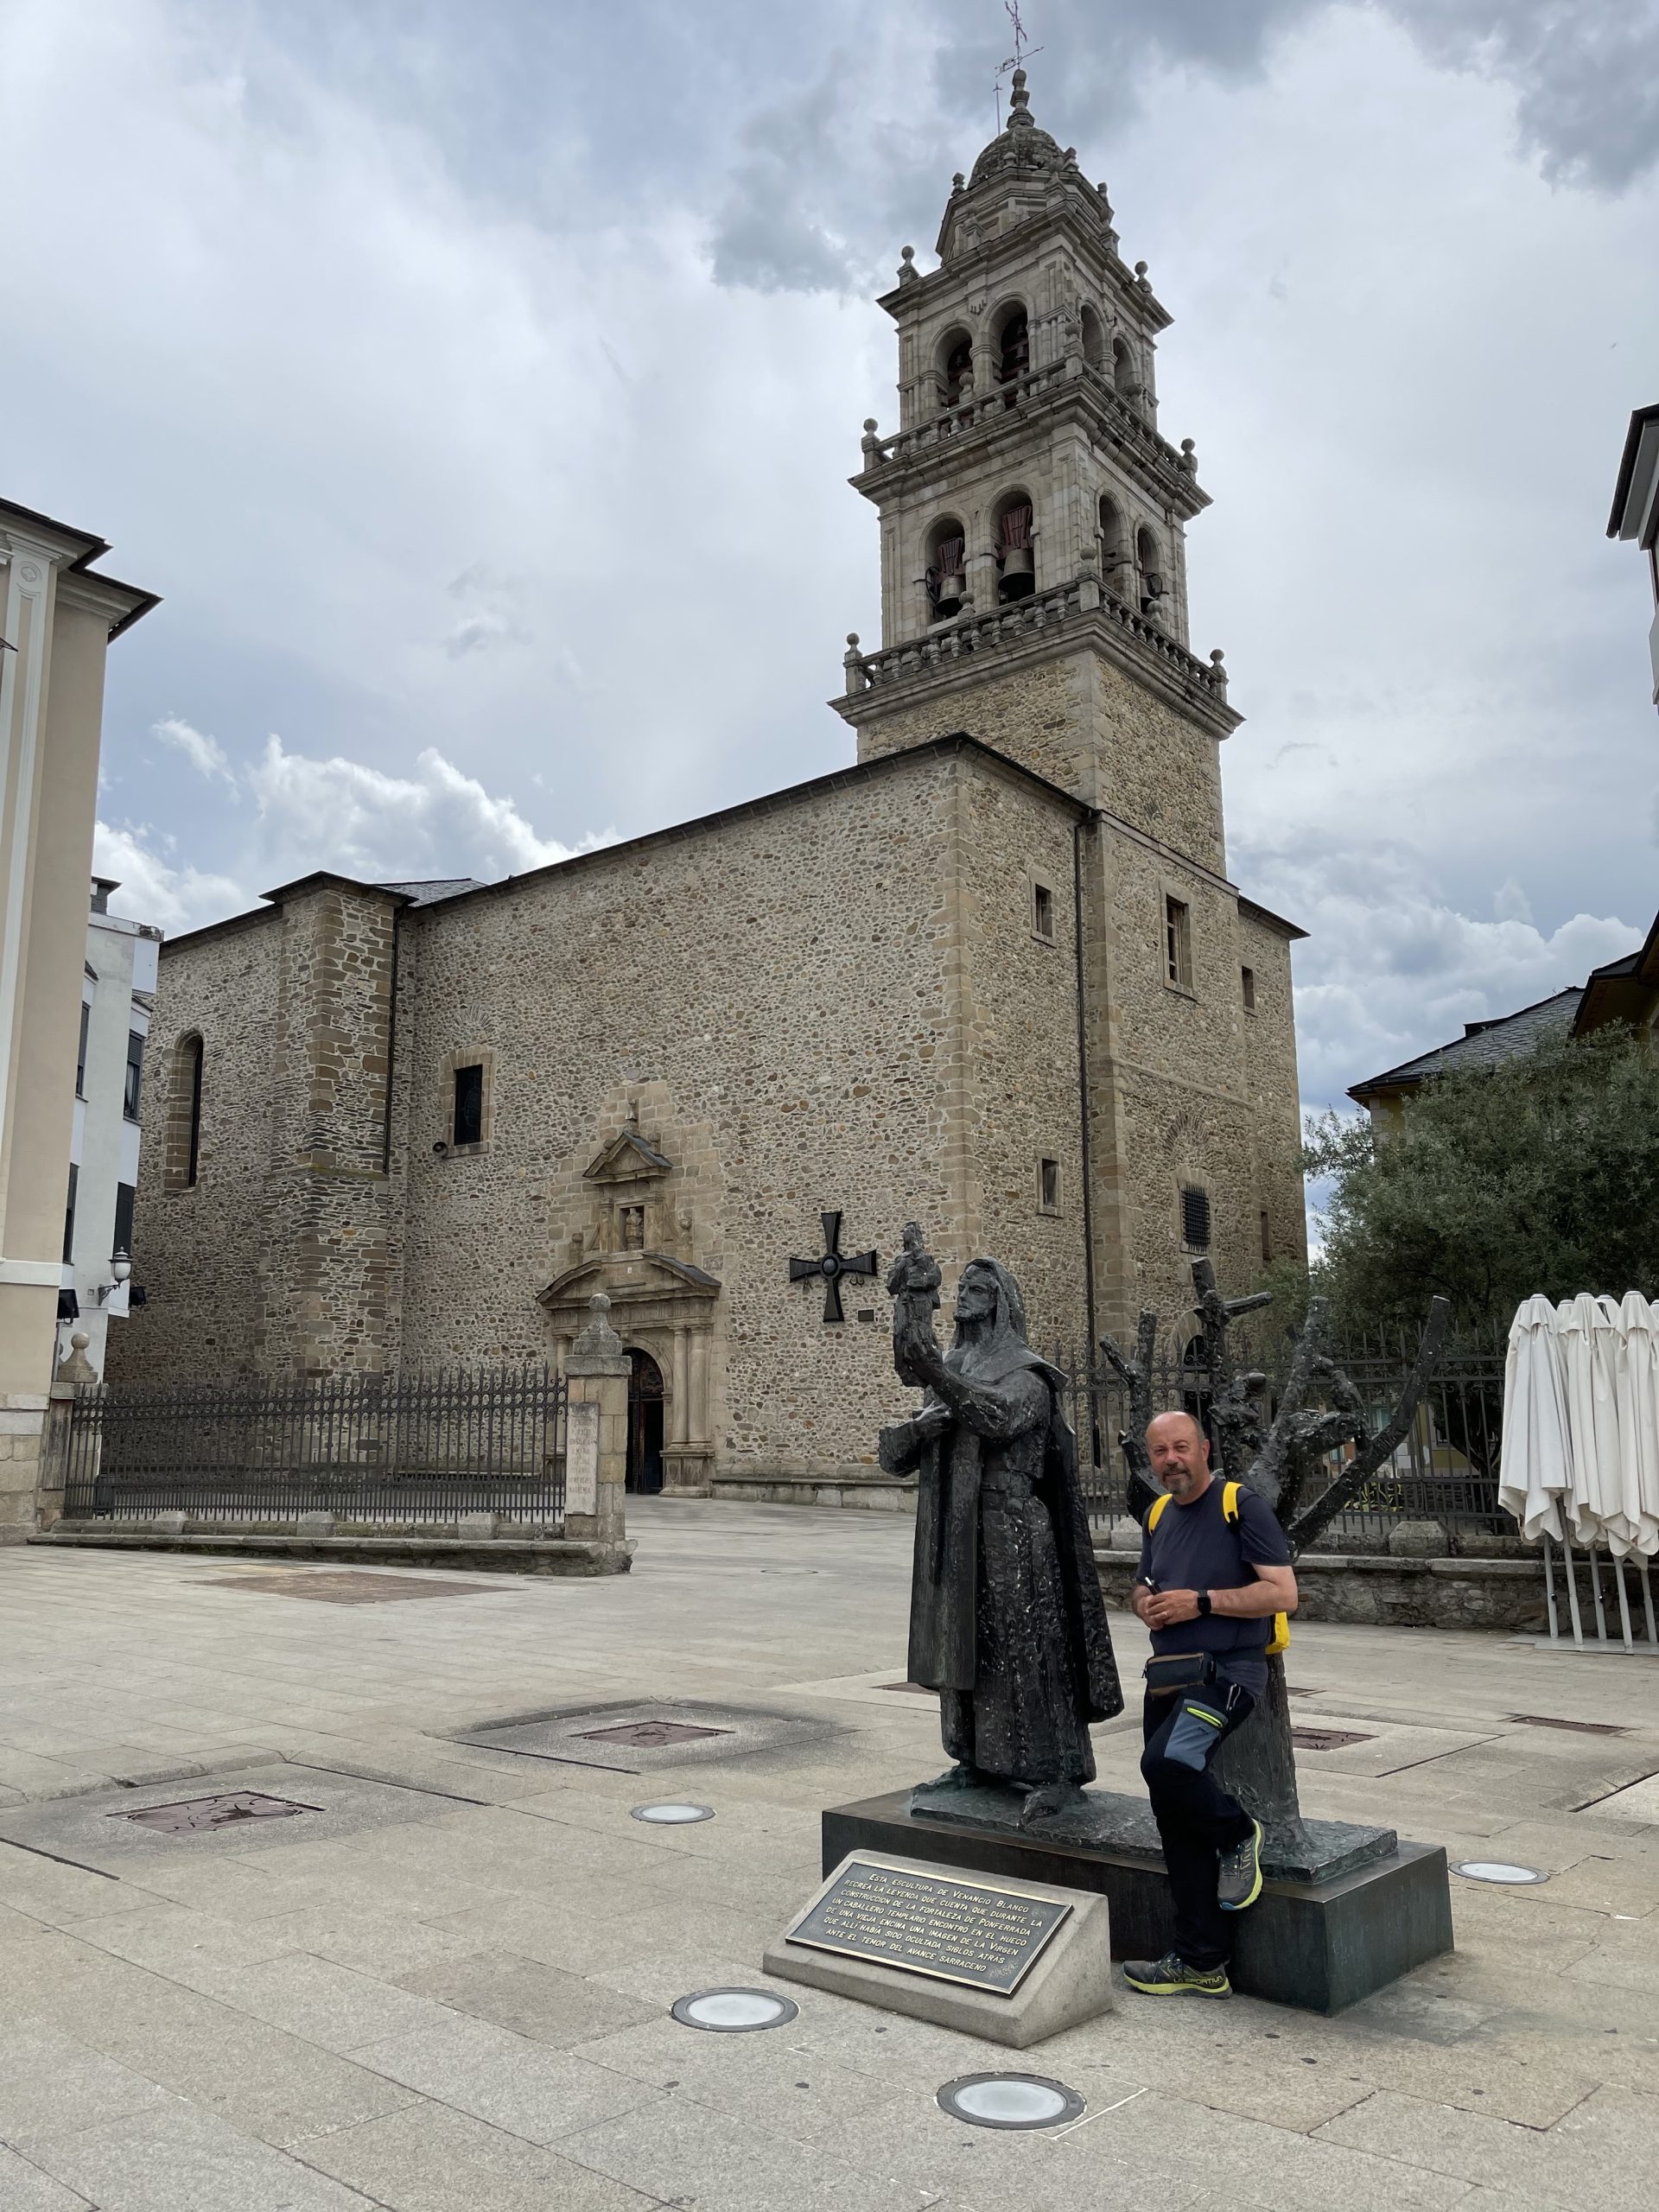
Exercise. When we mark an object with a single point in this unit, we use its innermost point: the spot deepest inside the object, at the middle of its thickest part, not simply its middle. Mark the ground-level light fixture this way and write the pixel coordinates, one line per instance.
(671, 1815)
(734, 2012)
(1017, 2100)
(1499, 1871)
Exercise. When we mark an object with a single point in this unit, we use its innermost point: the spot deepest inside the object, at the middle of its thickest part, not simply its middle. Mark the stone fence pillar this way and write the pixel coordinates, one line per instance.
(596, 1433)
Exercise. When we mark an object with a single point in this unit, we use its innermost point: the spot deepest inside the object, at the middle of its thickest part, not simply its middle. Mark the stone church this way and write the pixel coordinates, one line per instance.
(417, 1124)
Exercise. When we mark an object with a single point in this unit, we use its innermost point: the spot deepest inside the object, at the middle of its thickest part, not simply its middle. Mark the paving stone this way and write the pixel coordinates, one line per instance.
(178, 2159)
(25, 2188)
(532, 1999)
(47, 2080)
(428, 2158)
(504, 2079)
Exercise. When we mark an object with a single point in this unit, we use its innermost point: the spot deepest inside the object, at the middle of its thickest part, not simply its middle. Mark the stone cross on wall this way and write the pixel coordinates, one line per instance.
(832, 1266)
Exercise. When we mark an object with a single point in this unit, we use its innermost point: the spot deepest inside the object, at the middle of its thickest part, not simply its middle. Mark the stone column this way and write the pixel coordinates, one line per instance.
(596, 1439)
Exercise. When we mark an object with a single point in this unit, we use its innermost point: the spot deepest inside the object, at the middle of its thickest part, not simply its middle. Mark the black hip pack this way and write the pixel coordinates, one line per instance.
(1180, 1670)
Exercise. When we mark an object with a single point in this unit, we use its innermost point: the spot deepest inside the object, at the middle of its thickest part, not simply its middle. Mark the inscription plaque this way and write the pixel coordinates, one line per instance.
(581, 1458)
(951, 1927)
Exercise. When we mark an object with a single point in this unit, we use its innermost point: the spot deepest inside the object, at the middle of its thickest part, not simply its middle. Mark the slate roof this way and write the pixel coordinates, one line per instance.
(1484, 1044)
(428, 893)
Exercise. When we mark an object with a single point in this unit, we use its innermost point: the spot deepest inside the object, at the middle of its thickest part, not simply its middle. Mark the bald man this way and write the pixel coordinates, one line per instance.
(1207, 1588)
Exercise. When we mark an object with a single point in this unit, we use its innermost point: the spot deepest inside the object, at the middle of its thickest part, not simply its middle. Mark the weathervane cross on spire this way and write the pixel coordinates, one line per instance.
(1017, 59)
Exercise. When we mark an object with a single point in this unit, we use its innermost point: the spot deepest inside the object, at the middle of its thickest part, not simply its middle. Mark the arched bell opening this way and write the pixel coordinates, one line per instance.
(955, 373)
(1113, 547)
(1152, 587)
(946, 568)
(645, 1463)
(1094, 339)
(1125, 382)
(1013, 348)
(1015, 554)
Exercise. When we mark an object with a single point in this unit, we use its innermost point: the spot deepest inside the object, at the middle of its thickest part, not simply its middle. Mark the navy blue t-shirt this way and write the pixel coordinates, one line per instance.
(1196, 1548)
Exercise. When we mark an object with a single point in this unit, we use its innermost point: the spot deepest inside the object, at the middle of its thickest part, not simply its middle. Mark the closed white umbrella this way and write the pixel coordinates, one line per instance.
(1537, 1463)
(1590, 1341)
(1639, 1426)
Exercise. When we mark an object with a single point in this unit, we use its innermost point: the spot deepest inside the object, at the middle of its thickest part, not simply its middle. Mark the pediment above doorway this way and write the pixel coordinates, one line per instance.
(628, 1158)
(628, 1279)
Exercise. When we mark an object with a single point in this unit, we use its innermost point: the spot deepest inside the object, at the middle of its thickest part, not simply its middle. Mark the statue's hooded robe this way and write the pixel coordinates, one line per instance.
(1006, 1620)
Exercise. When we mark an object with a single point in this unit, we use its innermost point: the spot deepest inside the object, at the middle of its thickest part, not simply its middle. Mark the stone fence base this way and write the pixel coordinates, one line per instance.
(864, 1487)
(1502, 1593)
(474, 1555)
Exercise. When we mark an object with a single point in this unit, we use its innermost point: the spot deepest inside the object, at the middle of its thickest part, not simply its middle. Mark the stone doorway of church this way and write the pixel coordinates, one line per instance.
(644, 1472)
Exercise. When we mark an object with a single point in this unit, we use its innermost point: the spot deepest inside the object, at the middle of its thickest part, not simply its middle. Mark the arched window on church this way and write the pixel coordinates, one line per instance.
(1114, 551)
(1124, 379)
(182, 1142)
(1012, 347)
(1015, 555)
(1153, 585)
(1094, 339)
(956, 368)
(946, 575)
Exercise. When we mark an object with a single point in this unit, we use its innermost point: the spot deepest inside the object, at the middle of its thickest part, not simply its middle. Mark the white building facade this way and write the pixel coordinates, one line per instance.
(98, 1285)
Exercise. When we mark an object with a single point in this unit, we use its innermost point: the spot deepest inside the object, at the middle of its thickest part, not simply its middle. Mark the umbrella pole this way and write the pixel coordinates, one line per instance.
(1595, 1591)
(1572, 1594)
(1647, 1603)
(1549, 1591)
(1624, 1605)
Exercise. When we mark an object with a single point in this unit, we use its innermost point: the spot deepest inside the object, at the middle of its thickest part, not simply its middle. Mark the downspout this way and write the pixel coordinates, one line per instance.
(1085, 1148)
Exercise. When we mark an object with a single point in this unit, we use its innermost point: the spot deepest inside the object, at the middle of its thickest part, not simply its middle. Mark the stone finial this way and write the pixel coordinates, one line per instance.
(856, 676)
(599, 1340)
(1218, 673)
(958, 183)
(1020, 115)
(74, 1366)
(1189, 457)
(1140, 277)
(908, 272)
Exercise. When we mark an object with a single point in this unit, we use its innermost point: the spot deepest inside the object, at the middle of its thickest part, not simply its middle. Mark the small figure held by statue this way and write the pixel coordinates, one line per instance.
(1007, 1621)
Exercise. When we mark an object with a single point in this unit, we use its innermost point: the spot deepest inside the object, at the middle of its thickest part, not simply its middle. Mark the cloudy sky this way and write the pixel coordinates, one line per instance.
(478, 384)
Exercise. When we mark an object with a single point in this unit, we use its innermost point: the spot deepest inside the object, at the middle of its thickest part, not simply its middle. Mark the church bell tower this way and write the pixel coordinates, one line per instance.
(1032, 516)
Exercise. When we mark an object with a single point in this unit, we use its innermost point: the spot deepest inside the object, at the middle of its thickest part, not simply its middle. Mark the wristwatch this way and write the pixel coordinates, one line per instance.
(1203, 1604)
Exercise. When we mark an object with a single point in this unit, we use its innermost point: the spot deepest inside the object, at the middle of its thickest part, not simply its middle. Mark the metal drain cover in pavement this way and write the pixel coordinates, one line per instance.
(648, 1735)
(639, 1735)
(1579, 1727)
(1327, 1739)
(214, 1812)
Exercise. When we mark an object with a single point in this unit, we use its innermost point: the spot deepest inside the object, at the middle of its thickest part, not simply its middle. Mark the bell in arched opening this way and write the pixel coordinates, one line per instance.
(1014, 554)
(947, 583)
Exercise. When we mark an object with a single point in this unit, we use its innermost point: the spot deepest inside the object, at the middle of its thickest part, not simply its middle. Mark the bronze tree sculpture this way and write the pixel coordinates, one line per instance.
(1319, 1411)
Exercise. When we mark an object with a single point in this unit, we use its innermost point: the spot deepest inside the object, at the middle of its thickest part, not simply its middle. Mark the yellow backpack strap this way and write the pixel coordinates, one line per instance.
(1279, 1640)
(1158, 1505)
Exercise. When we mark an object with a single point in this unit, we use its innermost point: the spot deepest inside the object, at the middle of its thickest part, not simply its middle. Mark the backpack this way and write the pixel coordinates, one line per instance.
(1280, 1639)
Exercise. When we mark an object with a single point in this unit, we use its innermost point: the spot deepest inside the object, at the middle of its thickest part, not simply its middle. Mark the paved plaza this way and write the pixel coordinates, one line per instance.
(446, 1989)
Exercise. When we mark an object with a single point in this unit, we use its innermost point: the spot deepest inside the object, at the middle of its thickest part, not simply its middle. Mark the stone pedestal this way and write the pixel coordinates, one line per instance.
(596, 1436)
(1319, 1945)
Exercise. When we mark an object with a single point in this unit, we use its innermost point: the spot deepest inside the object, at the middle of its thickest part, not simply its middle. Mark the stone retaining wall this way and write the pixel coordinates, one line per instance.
(1492, 1593)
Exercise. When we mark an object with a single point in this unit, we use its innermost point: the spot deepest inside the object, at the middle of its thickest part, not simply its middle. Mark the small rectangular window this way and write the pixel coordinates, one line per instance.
(468, 1127)
(1247, 988)
(1048, 1186)
(134, 1075)
(633, 1228)
(69, 1218)
(1267, 1238)
(80, 1055)
(193, 1071)
(124, 1195)
(1195, 1217)
(1042, 911)
(1178, 944)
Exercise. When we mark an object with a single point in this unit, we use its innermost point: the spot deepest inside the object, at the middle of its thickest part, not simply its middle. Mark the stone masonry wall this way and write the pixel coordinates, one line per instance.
(330, 1247)
(197, 1249)
(780, 993)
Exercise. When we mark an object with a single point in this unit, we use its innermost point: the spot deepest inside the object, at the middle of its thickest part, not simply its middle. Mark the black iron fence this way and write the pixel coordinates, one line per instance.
(392, 1450)
(1446, 1470)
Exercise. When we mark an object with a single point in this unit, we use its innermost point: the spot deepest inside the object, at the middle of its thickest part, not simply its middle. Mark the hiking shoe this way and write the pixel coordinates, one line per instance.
(1170, 1976)
(1240, 1880)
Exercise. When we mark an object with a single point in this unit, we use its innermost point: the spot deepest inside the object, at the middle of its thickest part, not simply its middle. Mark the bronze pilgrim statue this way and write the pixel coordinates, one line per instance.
(1006, 1618)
